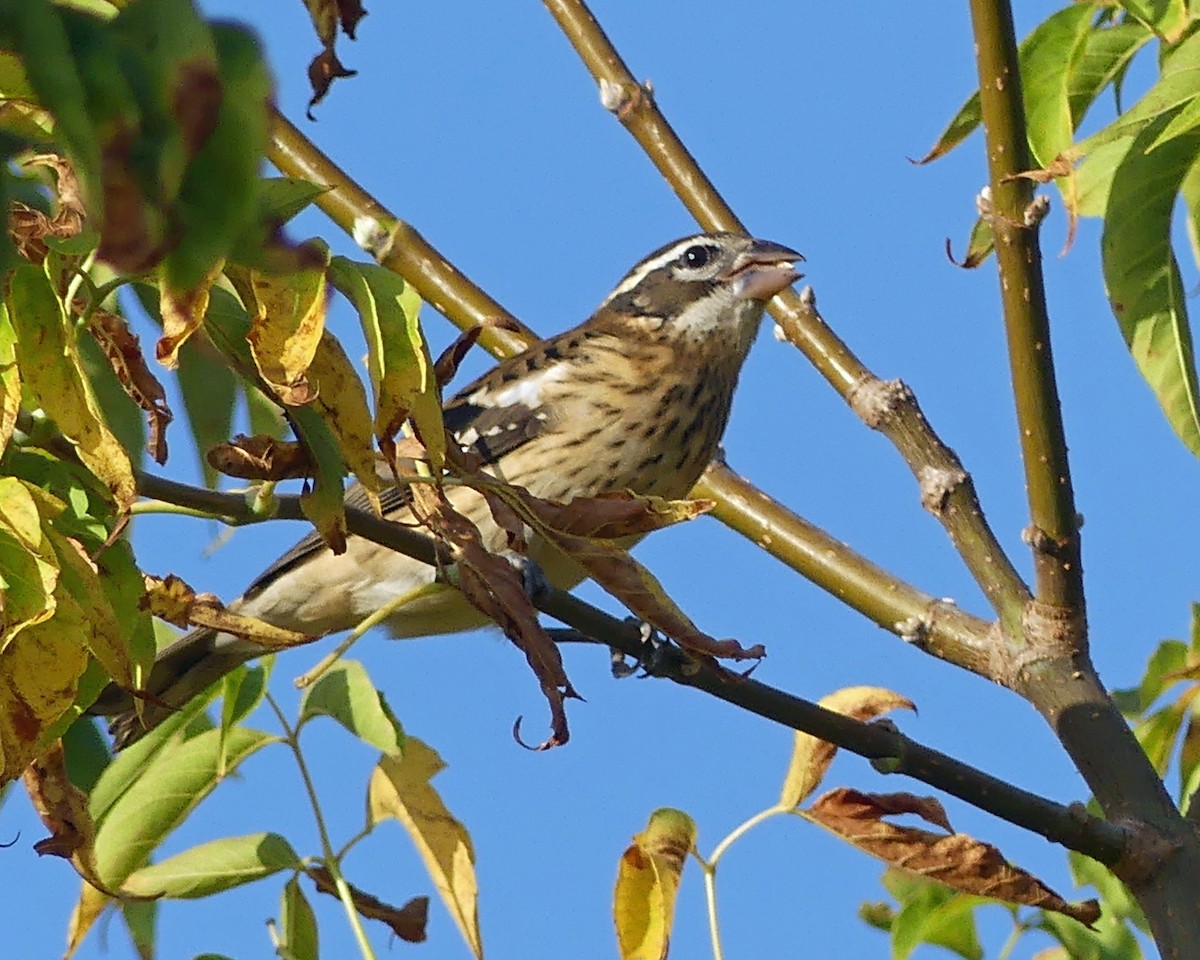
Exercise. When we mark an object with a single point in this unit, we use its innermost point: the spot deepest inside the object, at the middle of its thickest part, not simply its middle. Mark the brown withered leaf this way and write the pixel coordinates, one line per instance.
(29, 227)
(495, 587)
(196, 95)
(63, 809)
(1060, 166)
(133, 234)
(607, 562)
(171, 599)
(446, 366)
(323, 69)
(812, 756)
(260, 457)
(954, 859)
(407, 922)
(182, 313)
(123, 350)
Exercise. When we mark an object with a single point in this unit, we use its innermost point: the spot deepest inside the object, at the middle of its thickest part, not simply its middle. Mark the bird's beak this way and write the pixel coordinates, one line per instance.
(764, 269)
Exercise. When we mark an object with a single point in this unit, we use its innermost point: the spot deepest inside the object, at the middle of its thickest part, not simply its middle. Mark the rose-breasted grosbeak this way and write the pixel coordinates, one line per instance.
(635, 398)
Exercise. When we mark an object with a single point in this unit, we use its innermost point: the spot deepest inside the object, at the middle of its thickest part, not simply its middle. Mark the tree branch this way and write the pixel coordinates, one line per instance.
(1055, 532)
(1071, 826)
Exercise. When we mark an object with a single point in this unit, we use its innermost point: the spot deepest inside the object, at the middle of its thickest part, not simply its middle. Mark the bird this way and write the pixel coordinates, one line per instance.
(635, 398)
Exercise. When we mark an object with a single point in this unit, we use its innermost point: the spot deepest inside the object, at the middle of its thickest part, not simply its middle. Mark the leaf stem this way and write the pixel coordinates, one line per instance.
(291, 736)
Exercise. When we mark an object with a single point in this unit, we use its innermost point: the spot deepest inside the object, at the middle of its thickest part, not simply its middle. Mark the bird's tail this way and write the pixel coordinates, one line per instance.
(182, 670)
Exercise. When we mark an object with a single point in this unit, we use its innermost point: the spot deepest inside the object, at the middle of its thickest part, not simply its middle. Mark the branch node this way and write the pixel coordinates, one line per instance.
(1037, 211)
(937, 485)
(875, 400)
(914, 630)
(1146, 851)
(623, 99)
(374, 237)
(1051, 631)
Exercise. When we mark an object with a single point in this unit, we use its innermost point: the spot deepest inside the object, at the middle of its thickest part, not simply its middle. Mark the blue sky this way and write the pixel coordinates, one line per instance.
(477, 124)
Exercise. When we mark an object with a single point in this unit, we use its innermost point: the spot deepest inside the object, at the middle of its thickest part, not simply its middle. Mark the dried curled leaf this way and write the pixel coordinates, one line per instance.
(407, 922)
(63, 808)
(812, 756)
(495, 587)
(260, 458)
(124, 353)
(607, 562)
(954, 859)
(174, 601)
(29, 227)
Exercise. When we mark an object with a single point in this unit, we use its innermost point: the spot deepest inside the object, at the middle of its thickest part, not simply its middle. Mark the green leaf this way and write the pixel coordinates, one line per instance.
(242, 690)
(214, 867)
(123, 416)
(397, 355)
(1106, 53)
(1110, 940)
(1093, 177)
(210, 391)
(298, 938)
(345, 693)
(1048, 57)
(141, 920)
(1178, 83)
(1142, 276)
(1158, 733)
(1169, 656)
(932, 913)
(1115, 898)
(218, 198)
(163, 795)
(281, 198)
(87, 753)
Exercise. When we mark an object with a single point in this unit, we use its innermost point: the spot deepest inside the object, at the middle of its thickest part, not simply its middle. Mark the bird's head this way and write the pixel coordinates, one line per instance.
(708, 290)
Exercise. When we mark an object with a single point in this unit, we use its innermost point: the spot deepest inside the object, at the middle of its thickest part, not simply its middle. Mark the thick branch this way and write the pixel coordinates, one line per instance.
(932, 624)
(1055, 531)
(1070, 826)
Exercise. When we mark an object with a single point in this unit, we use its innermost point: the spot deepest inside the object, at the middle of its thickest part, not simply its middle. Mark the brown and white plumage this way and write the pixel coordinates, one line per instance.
(635, 398)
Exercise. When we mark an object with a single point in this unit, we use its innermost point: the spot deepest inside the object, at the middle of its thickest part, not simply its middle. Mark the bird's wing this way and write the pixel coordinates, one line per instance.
(497, 414)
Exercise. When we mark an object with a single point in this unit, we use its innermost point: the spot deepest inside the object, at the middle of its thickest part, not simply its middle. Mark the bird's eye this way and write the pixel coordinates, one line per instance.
(696, 257)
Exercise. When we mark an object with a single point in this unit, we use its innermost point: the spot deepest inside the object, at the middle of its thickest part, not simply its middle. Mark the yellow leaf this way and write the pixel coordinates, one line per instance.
(87, 910)
(182, 313)
(341, 402)
(103, 634)
(812, 756)
(647, 883)
(27, 561)
(10, 380)
(49, 360)
(287, 318)
(39, 670)
(400, 790)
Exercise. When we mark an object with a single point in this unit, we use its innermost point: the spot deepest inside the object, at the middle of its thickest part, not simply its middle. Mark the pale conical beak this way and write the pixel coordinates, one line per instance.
(763, 270)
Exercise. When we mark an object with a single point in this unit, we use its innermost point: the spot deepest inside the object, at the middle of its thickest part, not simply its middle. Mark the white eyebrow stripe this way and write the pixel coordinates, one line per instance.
(639, 273)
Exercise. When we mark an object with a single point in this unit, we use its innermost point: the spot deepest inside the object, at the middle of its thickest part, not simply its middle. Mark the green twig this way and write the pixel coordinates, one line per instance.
(291, 737)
